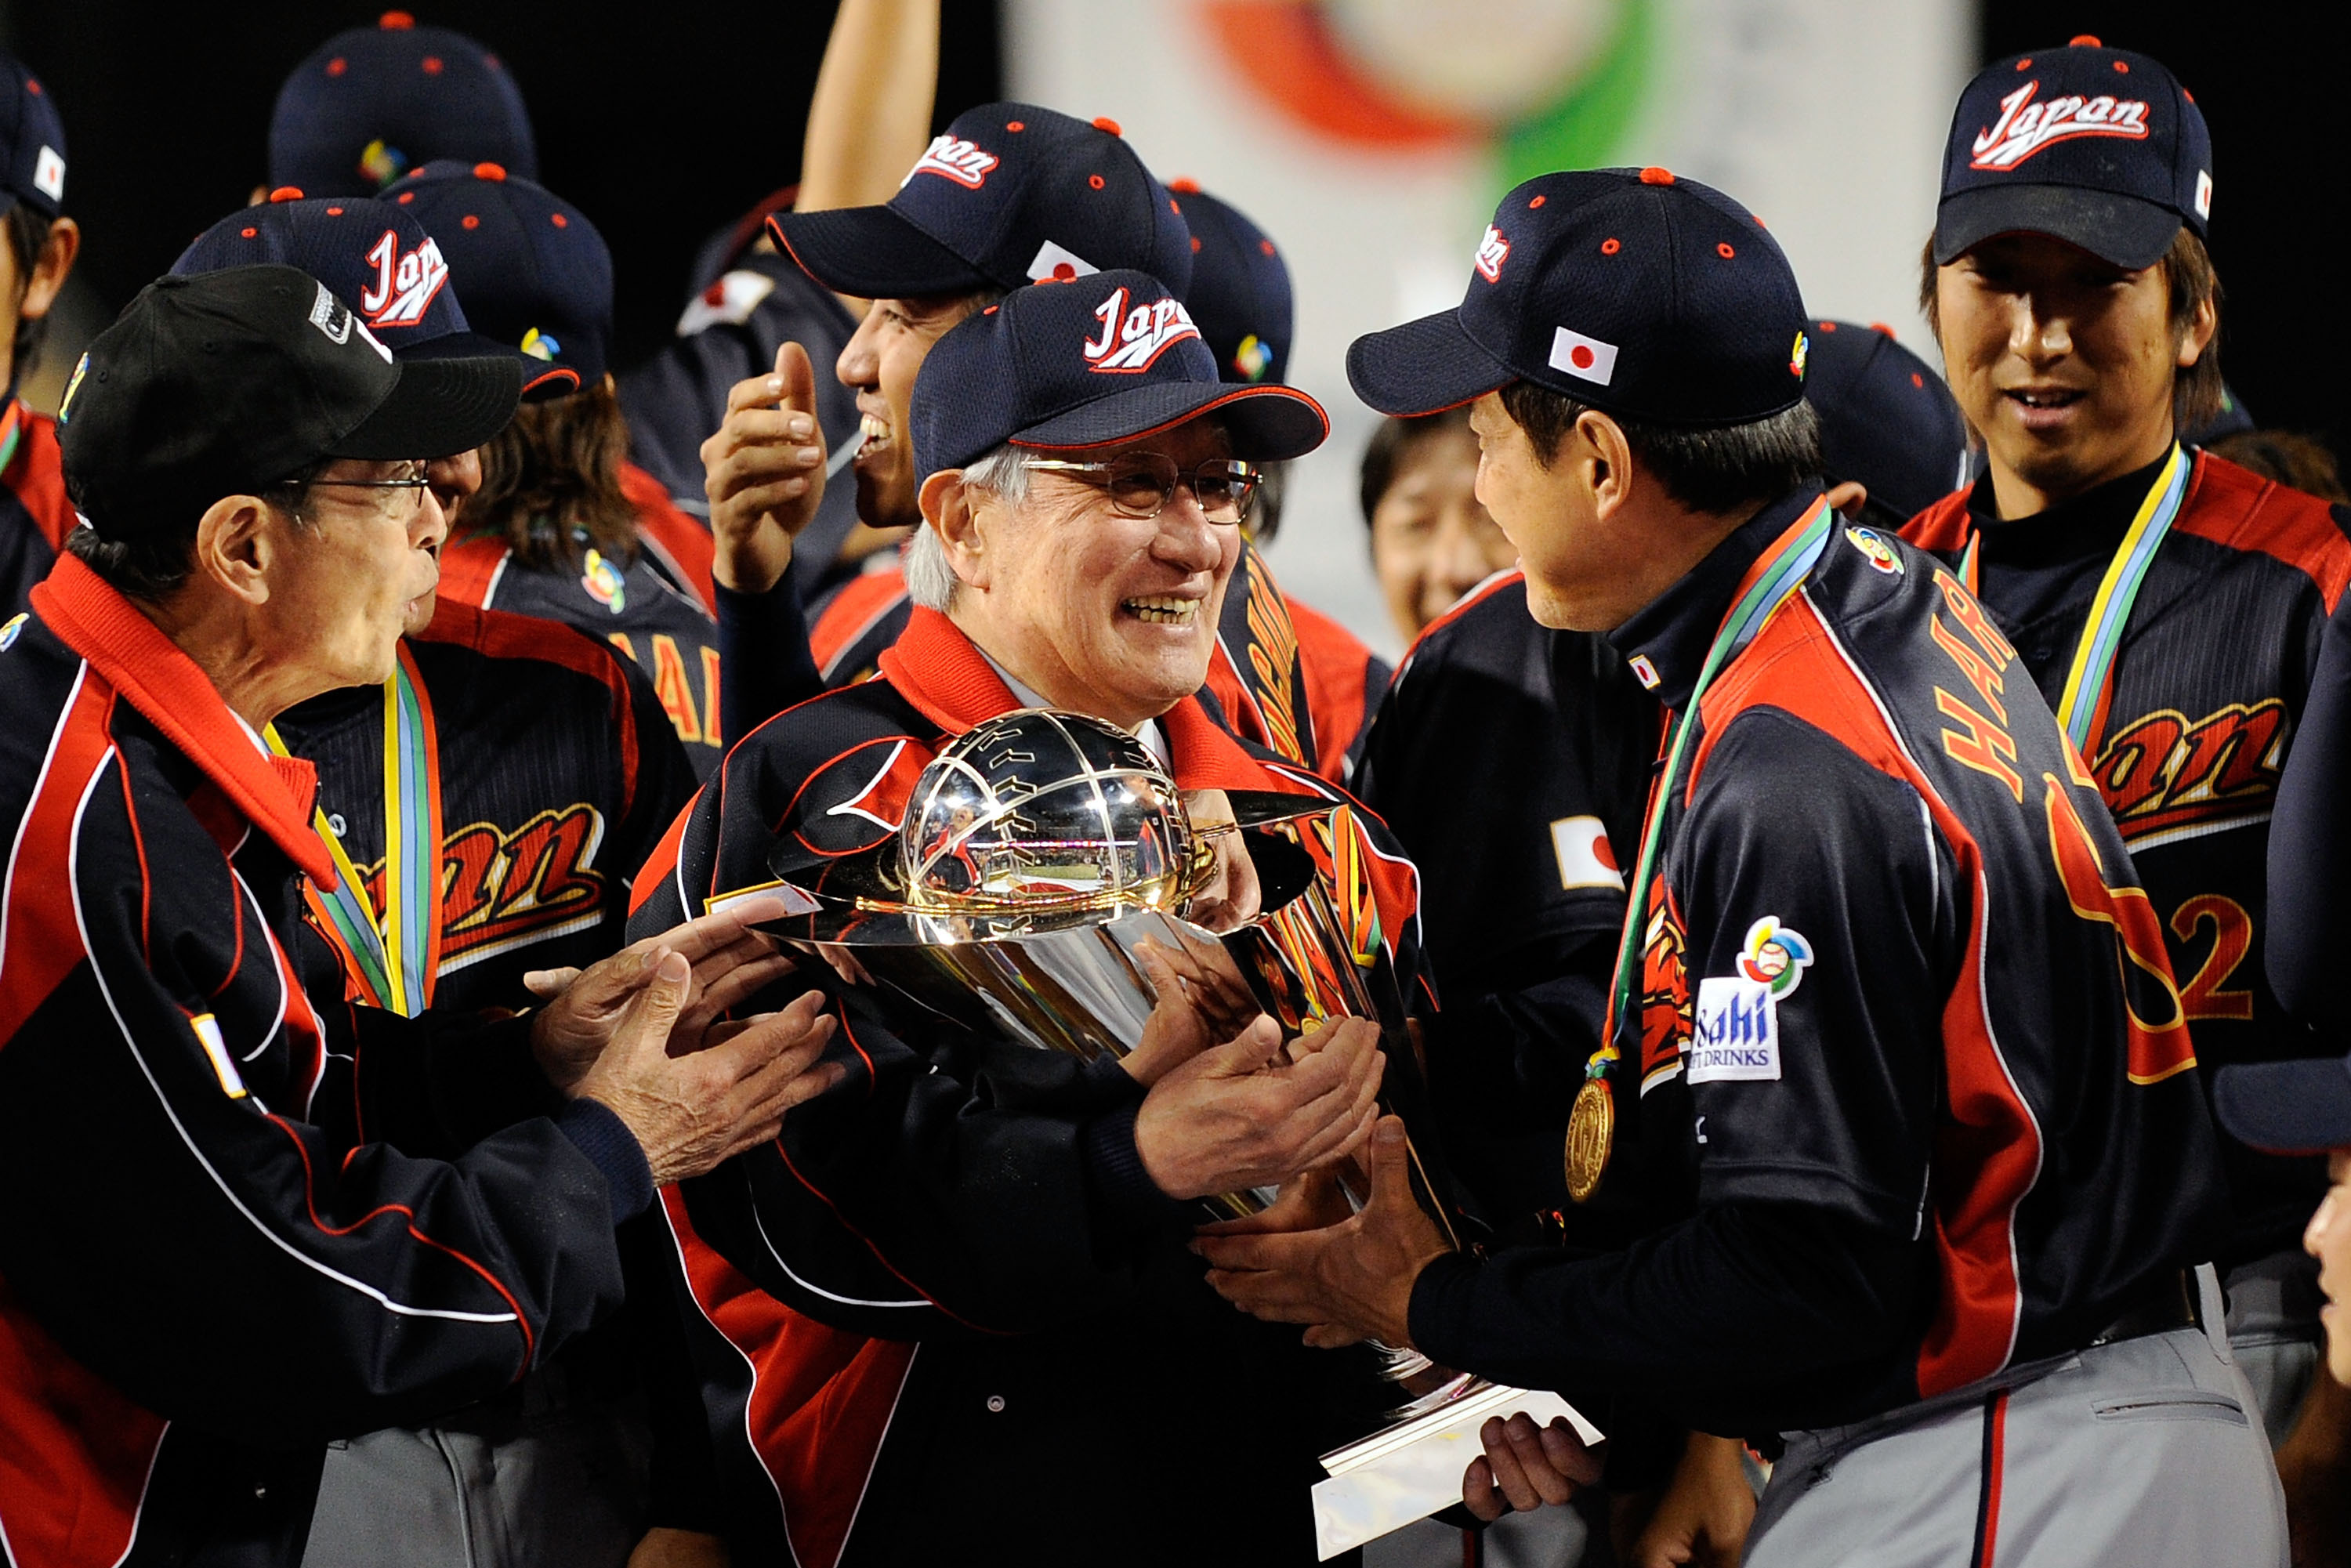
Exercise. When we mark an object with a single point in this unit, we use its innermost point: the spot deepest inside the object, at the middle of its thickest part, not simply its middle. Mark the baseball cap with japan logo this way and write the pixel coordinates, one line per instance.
(31, 142)
(1630, 290)
(1009, 194)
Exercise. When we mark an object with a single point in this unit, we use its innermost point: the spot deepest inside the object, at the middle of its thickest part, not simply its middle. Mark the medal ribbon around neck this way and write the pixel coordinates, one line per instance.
(2089, 682)
(1769, 583)
(12, 432)
(395, 955)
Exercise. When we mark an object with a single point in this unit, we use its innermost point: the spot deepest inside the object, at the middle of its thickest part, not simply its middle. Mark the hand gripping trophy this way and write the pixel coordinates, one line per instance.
(1043, 857)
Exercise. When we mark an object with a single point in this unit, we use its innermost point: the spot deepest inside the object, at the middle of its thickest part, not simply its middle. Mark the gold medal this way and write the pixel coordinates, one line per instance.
(1590, 1136)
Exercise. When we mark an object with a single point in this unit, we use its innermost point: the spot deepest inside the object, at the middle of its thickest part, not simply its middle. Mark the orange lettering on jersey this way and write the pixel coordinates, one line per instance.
(621, 639)
(710, 729)
(676, 693)
(500, 890)
(2161, 771)
(1986, 748)
(1971, 614)
(1273, 656)
(1981, 674)
(2206, 996)
(2157, 1019)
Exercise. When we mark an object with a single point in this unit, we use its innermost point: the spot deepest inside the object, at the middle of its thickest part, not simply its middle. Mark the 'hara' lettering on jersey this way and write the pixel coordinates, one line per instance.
(406, 282)
(1133, 340)
(952, 158)
(1492, 251)
(2024, 127)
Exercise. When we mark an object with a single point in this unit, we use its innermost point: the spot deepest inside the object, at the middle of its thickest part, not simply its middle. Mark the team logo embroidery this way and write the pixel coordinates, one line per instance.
(336, 323)
(540, 345)
(1590, 358)
(952, 158)
(1796, 356)
(1492, 251)
(13, 629)
(1874, 548)
(1133, 340)
(602, 582)
(2024, 127)
(1251, 358)
(65, 404)
(406, 283)
(1644, 672)
(382, 163)
(1775, 956)
(1058, 264)
(50, 175)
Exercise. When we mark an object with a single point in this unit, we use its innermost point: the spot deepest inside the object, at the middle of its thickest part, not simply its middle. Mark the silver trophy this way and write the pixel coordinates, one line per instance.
(1039, 852)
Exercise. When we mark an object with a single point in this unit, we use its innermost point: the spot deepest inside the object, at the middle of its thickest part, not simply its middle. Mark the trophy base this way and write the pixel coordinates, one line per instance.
(1407, 1472)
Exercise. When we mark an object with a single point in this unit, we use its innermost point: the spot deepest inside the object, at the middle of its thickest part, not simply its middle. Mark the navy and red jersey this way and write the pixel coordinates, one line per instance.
(242, 1216)
(926, 1294)
(1902, 1028)
(2214, 667)
(1288, 678)
(1510, 761)
(556, 773)
(661, 622)
(35, 515)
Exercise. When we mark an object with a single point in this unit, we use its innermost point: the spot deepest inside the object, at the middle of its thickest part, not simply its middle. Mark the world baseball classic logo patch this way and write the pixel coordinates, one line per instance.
(1775, 955)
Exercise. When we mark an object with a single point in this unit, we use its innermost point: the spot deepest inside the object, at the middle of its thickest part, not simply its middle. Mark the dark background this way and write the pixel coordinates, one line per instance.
(664, 122)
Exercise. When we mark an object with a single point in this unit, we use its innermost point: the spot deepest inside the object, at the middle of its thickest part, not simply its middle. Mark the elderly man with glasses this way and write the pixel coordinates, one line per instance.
(957, 1288)
(239, 1215)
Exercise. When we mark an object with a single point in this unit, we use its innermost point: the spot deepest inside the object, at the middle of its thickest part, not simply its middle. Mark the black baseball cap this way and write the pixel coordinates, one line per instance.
(1633, 290)
(1886, 419)
(228, 383)
(373, 103)
(535, 274)
(1009, 194)
(1241, 288)
(379, 261)
(31, 142)
(2100, 148)
(1099, 360)
(2286, 1107)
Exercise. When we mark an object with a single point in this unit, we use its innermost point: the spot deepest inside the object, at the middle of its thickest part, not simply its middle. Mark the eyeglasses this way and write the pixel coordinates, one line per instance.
(1141, 483)
(411, 478)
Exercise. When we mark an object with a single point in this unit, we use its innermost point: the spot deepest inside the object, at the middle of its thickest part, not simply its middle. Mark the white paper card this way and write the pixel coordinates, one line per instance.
(1384, 1484)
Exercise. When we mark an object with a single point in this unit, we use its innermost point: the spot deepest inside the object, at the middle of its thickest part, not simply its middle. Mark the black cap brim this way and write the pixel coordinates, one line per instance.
(2286, 1107)
(872, 253)
(438, 407)
(2123, 230)
(540, 380)
(1422, 367)
(1267, 424)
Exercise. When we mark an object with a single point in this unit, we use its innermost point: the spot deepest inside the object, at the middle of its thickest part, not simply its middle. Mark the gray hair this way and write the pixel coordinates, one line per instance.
(931, 582)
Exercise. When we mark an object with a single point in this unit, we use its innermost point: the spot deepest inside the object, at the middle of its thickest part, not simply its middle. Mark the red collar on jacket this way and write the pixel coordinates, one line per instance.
(937, 668)
(133, 655)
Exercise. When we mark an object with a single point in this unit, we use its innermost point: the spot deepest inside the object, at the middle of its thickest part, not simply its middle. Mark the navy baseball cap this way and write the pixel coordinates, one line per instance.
(379, 260)
(1632, 290)
(1886, 418)
(2286, 1107)
(228, 383)
(535, 274)
(371, 104)
(1241, 288)
(31, 142)
(2100, 148)
(1009, 194)
(1110, 357)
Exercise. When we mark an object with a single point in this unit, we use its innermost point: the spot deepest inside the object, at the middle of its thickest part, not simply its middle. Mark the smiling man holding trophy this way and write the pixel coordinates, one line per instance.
(951, 1314)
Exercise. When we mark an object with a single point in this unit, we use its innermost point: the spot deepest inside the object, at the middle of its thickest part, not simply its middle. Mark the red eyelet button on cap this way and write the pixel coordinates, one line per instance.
(396, 21)
(1184, 185)
(1016, 125)
(1104, 122)
(558, 220)
(334, 212)
(1609, 246)
(489, 171)
(2025, 63)
(2123, 66)
(1724, 251)
(1881, 327)
(1096, 181)
(1538, 202)
(1653, 175)
(287, 194)
(1825, 325)
(470, 221)
(248, 231)
(1196, 245)
(2084, 41)
(1917, 381)
(406, 197)
(338, 66)
(1266, 245)
(431, 64)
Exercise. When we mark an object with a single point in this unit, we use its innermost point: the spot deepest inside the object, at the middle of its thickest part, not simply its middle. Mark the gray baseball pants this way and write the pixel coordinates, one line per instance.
(2141, 1452)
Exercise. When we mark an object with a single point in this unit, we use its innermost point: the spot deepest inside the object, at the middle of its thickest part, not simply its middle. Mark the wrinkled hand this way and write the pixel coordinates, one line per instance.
(1525, 1467)
(1201, 1000)
(691, 1113)
(1242, 1114)
(730, 964)
(1704, 1515)
(763, 472)
(1346, 1282)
